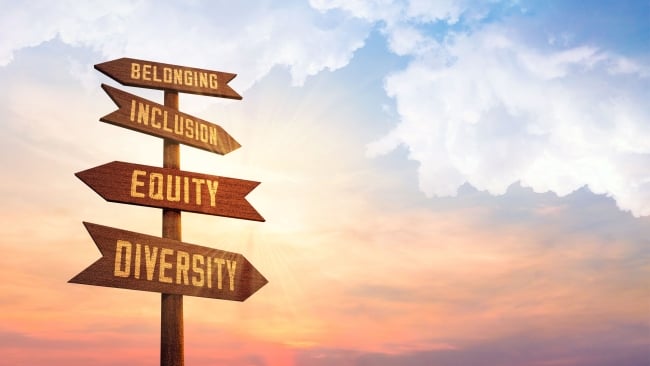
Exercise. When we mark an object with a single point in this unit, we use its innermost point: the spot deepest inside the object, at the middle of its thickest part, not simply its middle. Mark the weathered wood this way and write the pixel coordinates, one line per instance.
(172, 343)
(142, 115)
(142, 262)
(172, 338)
(157, 75)
(171, 188)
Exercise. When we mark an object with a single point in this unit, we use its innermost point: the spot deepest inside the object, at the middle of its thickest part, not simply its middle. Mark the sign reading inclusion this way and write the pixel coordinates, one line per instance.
(142, 115)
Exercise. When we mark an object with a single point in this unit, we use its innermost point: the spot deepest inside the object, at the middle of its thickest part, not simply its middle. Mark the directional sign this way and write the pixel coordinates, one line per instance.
(172, 188)
(145, 116)
(156, 75)
(142, 262)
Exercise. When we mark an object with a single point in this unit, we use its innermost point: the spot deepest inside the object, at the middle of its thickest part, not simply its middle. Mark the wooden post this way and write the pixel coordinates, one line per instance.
(171, 306)
(231, 202)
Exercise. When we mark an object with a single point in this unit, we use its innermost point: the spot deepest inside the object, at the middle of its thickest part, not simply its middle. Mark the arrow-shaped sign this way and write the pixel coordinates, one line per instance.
(145, 116)
(172, 188)
(156, 75)
(147, 263)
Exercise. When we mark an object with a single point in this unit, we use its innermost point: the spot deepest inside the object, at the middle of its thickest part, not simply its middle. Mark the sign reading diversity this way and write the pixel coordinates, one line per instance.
(142, 262)
(167, 265)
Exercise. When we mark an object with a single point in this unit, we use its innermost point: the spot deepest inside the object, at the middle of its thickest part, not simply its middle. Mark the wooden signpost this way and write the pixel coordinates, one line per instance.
(142, 262)
(172, 188)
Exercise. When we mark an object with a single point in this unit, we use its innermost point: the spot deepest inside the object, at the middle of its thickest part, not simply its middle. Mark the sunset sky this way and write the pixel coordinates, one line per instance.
(445, 183)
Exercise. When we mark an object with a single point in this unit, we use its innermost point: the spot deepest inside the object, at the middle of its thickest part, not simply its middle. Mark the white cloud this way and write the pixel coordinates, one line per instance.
(371, 11)
(28, 24)
(407, 40)
(426, 10)
(391, 12)
(502, 112)
(482, 107)
(490, 110)
(248, 39)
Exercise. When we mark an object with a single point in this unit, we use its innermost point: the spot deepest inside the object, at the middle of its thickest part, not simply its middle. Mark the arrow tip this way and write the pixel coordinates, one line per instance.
(102, 67)
(116, 95)
(110, 68)
(256, 280)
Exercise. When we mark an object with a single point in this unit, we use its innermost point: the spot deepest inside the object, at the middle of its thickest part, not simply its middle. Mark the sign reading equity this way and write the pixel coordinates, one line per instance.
(172, 188)
(142, 262)
(156, 75)
(145, 116)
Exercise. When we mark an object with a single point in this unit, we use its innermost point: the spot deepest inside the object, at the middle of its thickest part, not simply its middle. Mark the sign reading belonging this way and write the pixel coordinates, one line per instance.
(156, 75)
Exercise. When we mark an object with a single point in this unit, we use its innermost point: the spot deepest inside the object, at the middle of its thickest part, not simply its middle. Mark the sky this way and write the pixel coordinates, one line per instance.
(444, 183)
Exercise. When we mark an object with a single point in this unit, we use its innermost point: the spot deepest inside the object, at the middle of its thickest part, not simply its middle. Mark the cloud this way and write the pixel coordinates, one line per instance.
(396, 11)
(486, 108)
(249, 39)
(480, 104)
(601, 349)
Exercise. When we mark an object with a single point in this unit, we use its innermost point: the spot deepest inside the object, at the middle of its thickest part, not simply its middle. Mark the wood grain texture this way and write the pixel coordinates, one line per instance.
(230, 277)
(142, 115)
(172, 338)
(172, 334)
(157, 75)
(171, 188)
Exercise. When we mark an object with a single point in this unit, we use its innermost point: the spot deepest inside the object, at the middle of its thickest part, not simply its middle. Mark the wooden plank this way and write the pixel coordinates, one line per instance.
(172, 188)
(142, 262)
(172, 340)
(142, 115)
(157, 75)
